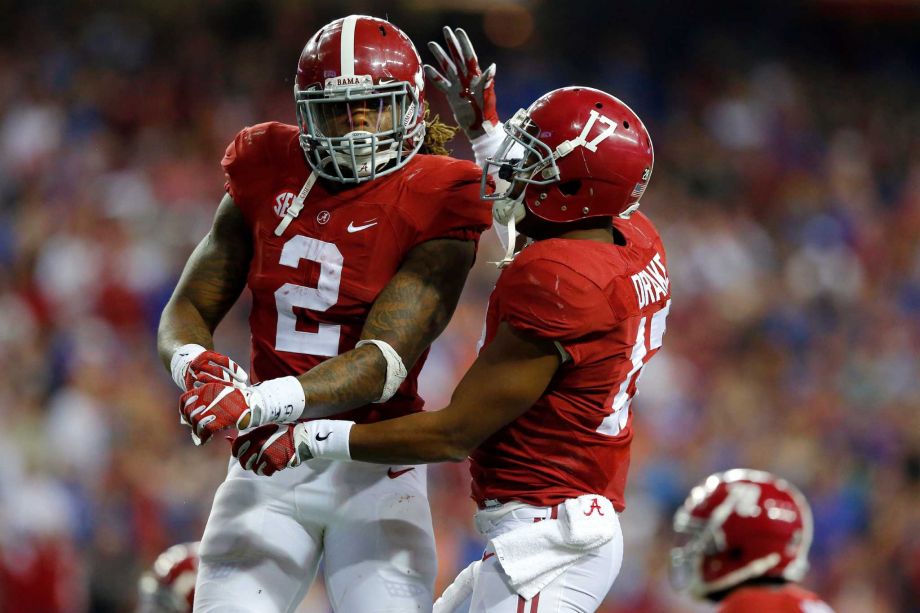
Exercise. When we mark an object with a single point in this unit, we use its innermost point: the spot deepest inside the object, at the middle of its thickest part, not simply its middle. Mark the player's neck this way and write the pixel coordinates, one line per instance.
(593, 229)
(600, 235)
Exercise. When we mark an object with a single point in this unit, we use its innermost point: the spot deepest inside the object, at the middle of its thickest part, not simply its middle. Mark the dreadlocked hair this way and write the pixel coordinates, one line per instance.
(437, 134)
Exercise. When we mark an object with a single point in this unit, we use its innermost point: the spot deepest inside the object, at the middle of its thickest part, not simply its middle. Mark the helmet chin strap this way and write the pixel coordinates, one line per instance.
(507, 213)
(627, 213)
(509, 241)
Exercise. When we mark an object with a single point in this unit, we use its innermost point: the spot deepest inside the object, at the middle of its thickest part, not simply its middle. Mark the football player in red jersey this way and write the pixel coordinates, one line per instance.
(355, 246)
(746, 535)
(544, 413)
(169, 587)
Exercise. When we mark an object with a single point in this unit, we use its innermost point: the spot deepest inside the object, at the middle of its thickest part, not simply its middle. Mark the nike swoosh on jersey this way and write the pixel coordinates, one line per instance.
(392, 474)
(353, 228)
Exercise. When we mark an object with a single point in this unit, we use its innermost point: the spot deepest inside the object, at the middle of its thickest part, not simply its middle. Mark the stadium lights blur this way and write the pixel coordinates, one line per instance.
(508, 25)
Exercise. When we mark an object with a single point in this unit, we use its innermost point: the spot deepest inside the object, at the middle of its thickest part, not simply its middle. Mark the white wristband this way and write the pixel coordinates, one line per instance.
(279, 401)
(486, 145)
(179, 363)
(396, 370)
(325, 438)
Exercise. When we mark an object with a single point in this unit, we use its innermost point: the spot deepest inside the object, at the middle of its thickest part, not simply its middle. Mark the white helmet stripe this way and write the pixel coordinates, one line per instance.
(347, 51)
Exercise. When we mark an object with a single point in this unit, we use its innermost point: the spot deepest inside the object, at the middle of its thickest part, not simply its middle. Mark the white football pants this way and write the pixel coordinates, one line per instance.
(265, 537)
(580, 589)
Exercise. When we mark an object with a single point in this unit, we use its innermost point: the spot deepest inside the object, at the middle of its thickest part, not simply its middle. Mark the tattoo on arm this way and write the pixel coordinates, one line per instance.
(409, 314)
(213, 279)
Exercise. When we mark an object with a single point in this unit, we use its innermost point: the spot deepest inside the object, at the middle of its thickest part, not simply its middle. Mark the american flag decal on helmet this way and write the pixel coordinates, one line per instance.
(639, 189)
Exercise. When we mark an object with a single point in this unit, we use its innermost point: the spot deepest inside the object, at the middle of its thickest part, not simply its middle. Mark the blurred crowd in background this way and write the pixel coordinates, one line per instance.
(786, 186)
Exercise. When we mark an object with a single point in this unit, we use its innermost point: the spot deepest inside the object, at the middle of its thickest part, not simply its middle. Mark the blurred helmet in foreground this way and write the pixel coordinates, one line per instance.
(169, 587)
(737, 526)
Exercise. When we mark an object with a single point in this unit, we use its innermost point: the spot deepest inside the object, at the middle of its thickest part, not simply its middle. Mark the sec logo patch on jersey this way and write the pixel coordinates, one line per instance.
(283, 202)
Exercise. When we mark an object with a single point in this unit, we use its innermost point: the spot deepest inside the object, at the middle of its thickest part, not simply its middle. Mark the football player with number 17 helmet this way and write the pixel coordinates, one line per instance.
(744, 539)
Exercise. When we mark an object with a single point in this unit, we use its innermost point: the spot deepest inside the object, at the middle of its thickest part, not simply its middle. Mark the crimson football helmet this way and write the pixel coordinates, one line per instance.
(575, 153)
(740, 525)
(360, 95)
(170, 586)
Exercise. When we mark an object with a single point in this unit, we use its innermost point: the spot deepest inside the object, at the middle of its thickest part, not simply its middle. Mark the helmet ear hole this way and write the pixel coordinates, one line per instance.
(569, 188)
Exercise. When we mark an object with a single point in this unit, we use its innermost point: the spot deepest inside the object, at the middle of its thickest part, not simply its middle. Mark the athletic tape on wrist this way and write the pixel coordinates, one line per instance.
(283, 401)
(396, 370)
(180, 360)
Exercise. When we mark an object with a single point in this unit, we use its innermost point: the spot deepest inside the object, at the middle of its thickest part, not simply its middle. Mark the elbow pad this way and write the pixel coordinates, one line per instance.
(396, 370)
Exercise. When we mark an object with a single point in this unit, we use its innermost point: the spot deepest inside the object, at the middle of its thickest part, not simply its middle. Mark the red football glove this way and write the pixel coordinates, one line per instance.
(212, 367)
(212, 407)
(266, 450)
(469, 91)
(193, 365)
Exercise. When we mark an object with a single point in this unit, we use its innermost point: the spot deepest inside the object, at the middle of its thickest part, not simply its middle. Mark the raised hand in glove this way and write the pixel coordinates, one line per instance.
(193, 365)
(469, 90)
(213, 407)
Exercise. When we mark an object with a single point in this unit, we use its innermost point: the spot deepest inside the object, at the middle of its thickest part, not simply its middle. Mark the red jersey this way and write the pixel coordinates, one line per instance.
(787, 598)
(604, 306)
(313, 286)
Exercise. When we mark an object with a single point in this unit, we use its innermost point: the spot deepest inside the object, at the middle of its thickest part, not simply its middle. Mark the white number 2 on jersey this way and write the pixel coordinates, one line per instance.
(614, 423)
(325, 341)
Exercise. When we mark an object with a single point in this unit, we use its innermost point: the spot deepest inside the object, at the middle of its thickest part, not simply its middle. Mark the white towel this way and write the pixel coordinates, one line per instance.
(459, 590)
(589, 522)
(534, 555)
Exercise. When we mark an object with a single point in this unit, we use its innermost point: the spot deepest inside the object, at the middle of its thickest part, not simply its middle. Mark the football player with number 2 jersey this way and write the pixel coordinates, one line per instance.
(544, 413)
(744, 539)
(355, 246)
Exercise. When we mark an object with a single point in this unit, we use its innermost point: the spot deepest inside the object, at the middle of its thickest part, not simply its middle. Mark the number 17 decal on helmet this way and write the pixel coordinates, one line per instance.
(575, 153)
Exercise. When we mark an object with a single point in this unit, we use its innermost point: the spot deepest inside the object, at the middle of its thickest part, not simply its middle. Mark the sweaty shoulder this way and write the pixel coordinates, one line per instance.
(258, 153)
(440, 197)
(641, 231)
(546, 292)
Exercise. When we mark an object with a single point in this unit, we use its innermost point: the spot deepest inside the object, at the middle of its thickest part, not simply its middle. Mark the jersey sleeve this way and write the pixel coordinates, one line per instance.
(448, 204)
(247, 164)
(551, 301)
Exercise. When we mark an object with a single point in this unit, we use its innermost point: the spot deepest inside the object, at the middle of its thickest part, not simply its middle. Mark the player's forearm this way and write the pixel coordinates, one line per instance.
(421, 438)
(181, 324)
(348, 381)
(351, 380)
(407, 316)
